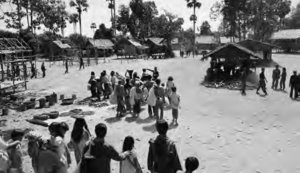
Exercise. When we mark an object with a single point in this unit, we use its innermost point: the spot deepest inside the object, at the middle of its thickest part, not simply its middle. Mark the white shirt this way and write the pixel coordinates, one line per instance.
(175, 100)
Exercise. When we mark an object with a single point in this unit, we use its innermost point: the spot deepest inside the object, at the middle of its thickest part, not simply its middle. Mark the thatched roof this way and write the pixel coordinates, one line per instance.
(61, 45)
(135, 43)
(13, 45)
(206, 39)
(231, 50)
(156, 41)
(256, 45)
(289, 34)
(101, 43)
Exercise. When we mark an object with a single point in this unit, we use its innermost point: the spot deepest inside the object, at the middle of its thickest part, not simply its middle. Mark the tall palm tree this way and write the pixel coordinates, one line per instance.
(194, 4)
(73, 19)
(112, 7)
(80, 5)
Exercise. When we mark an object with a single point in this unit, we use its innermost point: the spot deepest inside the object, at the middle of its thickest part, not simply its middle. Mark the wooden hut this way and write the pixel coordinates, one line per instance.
(287, 40)
(131, 47)
(206, 42)
(100, 47)
(261, 48)
(60, 48)
(155, 45)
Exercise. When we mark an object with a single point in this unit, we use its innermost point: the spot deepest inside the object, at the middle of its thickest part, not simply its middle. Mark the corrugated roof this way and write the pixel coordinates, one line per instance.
(157, 41)
(288, 34)
(230, 45)
(61, 45)
(102, 43)
(206, 39)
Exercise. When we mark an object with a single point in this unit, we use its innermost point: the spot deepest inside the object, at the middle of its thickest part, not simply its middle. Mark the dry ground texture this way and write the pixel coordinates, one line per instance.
(226, 131)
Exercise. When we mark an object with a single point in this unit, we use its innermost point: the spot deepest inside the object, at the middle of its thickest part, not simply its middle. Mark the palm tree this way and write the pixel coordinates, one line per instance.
(73, 19)
(112, 8)
(194, 4)
(80, 5)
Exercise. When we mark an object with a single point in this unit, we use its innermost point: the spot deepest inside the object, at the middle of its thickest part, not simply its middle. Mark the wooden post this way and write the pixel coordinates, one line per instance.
(2, 68)
(25, 75)
(13, 73)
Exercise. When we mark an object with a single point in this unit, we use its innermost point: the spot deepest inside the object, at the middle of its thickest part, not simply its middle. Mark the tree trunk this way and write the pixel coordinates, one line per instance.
(194, 41)
(74, 27)
(19, 17)
(31, 15)
(80, 29)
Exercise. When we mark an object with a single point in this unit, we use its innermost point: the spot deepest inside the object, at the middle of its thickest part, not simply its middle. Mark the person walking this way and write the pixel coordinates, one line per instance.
(131, 163)
(175, 104)
(32, 71)
(43, 68)
(275, 77)
(244, 77)
(292, 85)
(80, 135)
(162, 155)
(283, 79)
(262, 82)
(101, 152)
(67, 66)
(81, 63)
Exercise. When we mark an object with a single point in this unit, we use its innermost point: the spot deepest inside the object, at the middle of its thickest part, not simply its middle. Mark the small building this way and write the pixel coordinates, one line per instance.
(175, 44)
(206, 42)
(61, 49)
(100, 47)
(261, 48)
(131, 47)
(287, 40)
(224, 40)
(155, 45)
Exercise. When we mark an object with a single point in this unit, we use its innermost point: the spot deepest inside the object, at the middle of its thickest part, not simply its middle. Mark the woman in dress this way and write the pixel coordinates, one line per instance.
(131, 163)
(79, 136)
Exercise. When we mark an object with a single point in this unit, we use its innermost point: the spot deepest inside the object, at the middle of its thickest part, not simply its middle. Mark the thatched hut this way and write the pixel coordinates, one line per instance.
(100, 47)
(261, 48)
(206, 42)
(155, 45)
(288, 40)
(131, 47)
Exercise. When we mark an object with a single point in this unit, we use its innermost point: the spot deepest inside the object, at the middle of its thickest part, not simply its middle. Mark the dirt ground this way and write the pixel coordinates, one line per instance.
(228, 132)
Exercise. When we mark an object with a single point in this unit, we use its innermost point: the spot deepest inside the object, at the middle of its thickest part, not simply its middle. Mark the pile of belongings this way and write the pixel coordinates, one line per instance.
(39, 119)
(10, 103)
(98, 104)
(234, 85)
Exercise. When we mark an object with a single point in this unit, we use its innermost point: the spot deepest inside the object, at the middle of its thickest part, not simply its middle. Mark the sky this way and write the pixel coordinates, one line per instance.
(98, 13)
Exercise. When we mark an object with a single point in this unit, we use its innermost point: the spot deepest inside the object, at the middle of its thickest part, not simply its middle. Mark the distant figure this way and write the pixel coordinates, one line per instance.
(32, 71)
(120, 92)
(113, 79)
(43, 68)
(244, 77)
(155, 74)
(297, 87)
(67, 66)
(262, 82)
(17, 70)
(293, 84)
(283, 79)
(275, 76)
(81, 62)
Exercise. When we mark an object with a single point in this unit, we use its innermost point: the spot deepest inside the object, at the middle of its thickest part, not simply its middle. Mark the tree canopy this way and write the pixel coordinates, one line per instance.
(205, 28)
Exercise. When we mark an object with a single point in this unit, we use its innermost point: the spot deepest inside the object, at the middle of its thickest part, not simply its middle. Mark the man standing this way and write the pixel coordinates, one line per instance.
(120, 92)
(293, 84)
(101, 152)
(67, 66)
(32, 70)
(262, 82)
(159, 93)
(149, 84)
(275, 76)
(81, 62)
(43, 68)
(244, 77)
(297, 87)
(162, 155)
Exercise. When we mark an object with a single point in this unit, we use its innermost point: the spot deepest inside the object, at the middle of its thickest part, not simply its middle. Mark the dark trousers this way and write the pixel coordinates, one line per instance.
(243, 89)
(262, 85)
(127, 103)
(159, 107)
(44, 73)
(67, 69)
(120, 107)
(275, 83)
(94, 92)
(150, 110)
(175, 113)
(81, 66)
(293, 91)
(282, 84)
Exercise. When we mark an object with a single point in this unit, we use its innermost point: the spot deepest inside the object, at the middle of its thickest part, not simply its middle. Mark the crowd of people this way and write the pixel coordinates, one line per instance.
(92, 153)
(130, 91)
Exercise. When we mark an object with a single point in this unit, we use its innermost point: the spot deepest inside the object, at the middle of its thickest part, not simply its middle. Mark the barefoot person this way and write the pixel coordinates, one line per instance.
(160, 100)
(174, 102)
(162, 155)
(262, 82)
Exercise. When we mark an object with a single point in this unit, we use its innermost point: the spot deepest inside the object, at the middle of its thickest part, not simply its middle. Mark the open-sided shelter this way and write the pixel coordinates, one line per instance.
(100, 47)
(288, 40)
(261, 48)
(232, 52)
(14, 56)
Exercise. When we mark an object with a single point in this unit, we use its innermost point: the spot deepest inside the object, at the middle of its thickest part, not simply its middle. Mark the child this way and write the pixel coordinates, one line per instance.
(4, 158)
(113, 79)
(15, 153)
(174, 103)
(191, 164)
(131, 163)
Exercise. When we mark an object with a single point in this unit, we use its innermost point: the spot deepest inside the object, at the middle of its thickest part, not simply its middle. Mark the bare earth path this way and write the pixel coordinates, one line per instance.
(226, 131)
